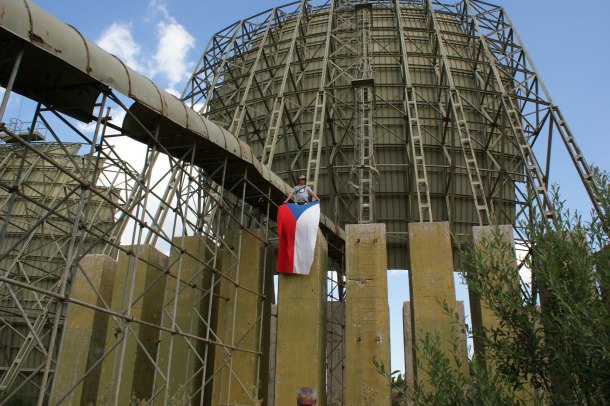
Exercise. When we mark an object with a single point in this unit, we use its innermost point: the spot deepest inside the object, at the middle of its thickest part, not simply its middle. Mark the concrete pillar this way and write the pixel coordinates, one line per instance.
(269, 316)
(407, 334)
(335, 352)
(367, 325)
(272, 348)
(236, 380)
(301, 331)
(431, 282)
(463, 338)
(85, 329)
(208, 308)
(408, 341)
(135, 374)
(481, 315)
(178, 356)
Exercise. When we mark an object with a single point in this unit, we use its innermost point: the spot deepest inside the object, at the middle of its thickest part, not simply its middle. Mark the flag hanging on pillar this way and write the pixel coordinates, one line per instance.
(297, 227)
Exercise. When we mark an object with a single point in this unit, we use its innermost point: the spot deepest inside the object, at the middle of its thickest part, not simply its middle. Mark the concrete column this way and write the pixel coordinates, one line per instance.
(85, 329)
(407, 334)
(431, 282)
(178, 356)
(367, 325)
(301, 331)
(236, 380)
(481, 315)
(135, 374)
(408, 341)
(463, 338)
(335, 351)
(272, 347)
(208, 308)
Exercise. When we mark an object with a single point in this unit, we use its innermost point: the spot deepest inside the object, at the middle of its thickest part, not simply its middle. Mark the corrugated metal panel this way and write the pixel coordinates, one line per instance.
(450, 188)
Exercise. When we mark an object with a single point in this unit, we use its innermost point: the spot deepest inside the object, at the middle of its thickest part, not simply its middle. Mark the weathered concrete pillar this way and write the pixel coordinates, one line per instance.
(187, 293)
(301, 331)
(335, 352)
(408, 334)
(367, 325)
(236, 379)
(85, 330)
(431, 283)
(208, 309)
(272, 347)
(128, 367)
(463, 337)
(269, 316)
(481, 315)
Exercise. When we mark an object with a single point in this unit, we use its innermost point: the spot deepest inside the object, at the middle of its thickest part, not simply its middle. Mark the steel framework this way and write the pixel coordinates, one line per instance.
(461, 129)
(60, 206)
(143, 179)
(421, 110)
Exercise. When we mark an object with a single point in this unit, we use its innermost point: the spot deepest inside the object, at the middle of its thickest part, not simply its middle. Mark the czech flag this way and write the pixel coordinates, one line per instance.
(297, 227)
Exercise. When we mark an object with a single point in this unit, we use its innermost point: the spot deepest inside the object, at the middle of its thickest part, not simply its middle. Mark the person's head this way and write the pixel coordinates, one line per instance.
(307, 397)
(302, 179)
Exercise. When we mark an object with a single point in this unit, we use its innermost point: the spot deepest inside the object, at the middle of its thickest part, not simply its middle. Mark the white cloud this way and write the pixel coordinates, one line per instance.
(156, 7)
(117, 115)
(173, 47)
(118, 40)
(166, 58)
(173, 91)
(86, 128)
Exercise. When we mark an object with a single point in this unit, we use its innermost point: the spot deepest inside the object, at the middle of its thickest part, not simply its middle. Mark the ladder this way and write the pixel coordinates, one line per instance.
(422, 188)
(457, 108)
(365, 178)
(529, 159)
(240, 111)
(315, 145)
(275, 120)
(317, 126)
(365, 98)
(533, 171)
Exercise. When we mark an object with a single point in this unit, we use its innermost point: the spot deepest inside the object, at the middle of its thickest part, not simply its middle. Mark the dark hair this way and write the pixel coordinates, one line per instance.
(307, 391)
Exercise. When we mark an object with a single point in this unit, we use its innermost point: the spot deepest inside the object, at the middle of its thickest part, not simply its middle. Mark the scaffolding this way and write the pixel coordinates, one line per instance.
(396, 111)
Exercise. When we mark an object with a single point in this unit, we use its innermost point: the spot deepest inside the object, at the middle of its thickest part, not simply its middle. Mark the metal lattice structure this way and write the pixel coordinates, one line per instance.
(396, 111)
(134, 228)
(418, 110)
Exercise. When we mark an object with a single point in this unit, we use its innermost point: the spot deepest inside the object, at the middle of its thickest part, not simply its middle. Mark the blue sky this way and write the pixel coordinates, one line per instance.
(569, 43)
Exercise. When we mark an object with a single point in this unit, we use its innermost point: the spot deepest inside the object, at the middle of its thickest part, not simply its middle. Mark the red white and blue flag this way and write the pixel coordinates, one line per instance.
(297, 227)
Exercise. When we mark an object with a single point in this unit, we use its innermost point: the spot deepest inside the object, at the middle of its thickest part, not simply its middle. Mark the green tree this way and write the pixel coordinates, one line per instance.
(552, 344)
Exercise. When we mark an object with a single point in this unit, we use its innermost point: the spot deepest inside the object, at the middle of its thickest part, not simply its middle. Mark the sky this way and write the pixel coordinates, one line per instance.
(569, 43)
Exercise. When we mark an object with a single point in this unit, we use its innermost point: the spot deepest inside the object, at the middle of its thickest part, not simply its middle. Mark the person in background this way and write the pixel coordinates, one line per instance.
(301, 192)
(307, 397)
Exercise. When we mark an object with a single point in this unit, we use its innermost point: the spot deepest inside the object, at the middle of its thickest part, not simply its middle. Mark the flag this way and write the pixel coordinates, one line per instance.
(297, 227)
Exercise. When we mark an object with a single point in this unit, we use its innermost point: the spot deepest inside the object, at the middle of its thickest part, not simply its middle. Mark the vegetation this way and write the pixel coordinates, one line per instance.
(551, 345)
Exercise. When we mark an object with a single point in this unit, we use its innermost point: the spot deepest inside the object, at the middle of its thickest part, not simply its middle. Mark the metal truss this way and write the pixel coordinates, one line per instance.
(421, 187)
(533, 115)
(461, 131)
(453, 100)
(466, 141)
(364, 88)
(75, 195)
